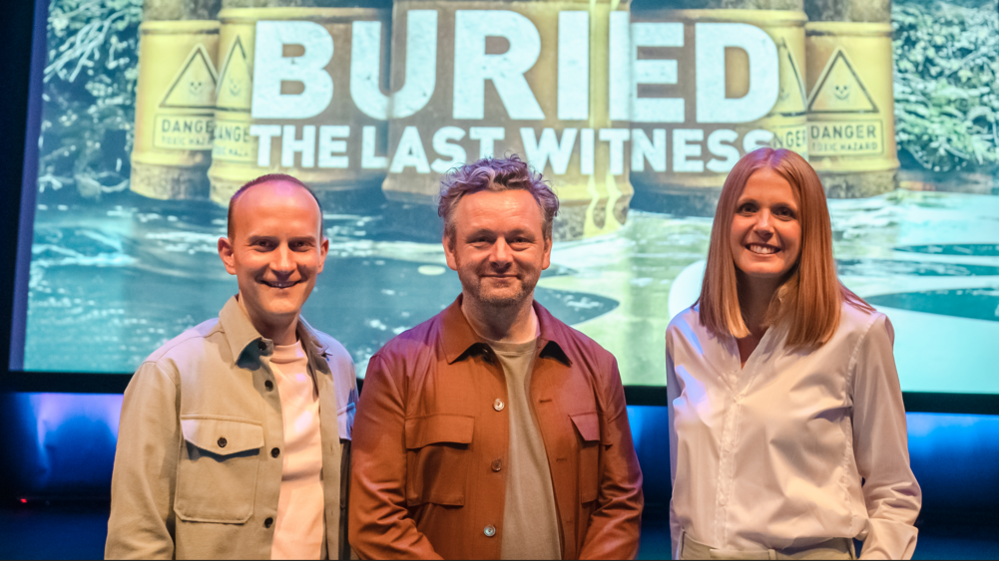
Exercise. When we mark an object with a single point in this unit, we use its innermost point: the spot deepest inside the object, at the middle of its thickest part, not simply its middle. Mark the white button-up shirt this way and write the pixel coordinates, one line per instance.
(795, 447)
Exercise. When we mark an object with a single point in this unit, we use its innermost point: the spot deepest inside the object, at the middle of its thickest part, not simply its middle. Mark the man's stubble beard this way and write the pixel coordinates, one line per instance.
(471, 284)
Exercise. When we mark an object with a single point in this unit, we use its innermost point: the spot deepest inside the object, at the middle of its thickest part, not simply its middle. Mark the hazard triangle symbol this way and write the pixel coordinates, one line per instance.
(194, 86)
(235, 86)
(791, 98)
(840, 90)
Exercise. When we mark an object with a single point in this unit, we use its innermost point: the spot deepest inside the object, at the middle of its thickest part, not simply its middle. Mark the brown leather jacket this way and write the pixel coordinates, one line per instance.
(426, 436)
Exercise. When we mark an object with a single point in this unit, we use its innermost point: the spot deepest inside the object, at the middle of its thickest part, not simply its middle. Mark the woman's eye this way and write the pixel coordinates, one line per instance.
(747, 207)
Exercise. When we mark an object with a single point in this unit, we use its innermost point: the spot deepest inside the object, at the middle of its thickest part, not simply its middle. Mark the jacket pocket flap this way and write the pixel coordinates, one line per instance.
(436, 429)
(222, 436)
(588, 426)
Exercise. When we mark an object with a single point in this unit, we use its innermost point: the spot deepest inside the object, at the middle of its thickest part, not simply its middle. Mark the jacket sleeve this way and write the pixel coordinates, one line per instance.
(145, 466)
(615, 525)
(880, 445)
(380, 526)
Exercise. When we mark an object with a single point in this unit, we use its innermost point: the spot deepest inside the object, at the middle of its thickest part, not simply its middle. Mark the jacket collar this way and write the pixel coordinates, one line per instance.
(458, 339)
(248, 345)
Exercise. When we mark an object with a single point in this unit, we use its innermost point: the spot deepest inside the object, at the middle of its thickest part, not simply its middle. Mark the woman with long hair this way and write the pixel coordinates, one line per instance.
(787, 429)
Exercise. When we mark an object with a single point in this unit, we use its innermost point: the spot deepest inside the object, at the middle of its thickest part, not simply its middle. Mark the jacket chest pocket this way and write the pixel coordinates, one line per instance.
(437, 459)
(588, 432)
(217, 471)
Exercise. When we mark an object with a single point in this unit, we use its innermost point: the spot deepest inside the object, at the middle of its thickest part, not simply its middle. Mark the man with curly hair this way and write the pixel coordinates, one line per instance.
(494, 430)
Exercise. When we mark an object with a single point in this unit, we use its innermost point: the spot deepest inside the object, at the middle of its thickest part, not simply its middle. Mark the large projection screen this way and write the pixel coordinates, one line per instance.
(149, 119)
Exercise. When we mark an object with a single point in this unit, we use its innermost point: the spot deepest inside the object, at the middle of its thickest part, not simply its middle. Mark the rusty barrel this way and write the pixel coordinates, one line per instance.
(710, 84)
(851, 110)
(285, 100)
(484, 78)
(175, 99)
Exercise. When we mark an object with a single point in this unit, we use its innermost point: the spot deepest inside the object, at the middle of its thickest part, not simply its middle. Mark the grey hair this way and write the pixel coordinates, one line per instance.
(495, 174)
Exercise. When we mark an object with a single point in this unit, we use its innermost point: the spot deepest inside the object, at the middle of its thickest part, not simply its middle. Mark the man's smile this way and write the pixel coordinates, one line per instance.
(279, 284)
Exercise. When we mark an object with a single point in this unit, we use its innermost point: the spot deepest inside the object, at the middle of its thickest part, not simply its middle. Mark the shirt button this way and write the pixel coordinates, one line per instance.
(498, 404)
(269, 385)
(268, 522)
(497, 465)
(222, 442)
(489, 531)
(275, 452)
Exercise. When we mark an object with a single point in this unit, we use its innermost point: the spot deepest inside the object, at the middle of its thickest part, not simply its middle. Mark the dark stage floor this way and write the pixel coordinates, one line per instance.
(77, 531)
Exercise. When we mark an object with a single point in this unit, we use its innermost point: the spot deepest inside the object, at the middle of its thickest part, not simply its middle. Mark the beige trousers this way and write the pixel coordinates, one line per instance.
(836, 548)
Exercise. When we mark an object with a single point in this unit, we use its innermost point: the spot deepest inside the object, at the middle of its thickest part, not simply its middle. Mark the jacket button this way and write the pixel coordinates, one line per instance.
(489, 531)
(222, 442)
(497, 465)
(269, 385)
(498, 404)
(268, 522)
(275, 452)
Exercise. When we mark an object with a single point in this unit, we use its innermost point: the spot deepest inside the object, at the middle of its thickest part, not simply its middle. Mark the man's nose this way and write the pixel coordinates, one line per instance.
(501, 253)
(283, 262)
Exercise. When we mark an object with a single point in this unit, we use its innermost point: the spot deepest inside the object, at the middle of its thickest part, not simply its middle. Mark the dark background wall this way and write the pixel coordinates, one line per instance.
(15, 68)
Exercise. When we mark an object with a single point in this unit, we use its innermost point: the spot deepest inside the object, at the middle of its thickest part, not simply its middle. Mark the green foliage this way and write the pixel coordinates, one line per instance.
(946, 90)
(89, 95)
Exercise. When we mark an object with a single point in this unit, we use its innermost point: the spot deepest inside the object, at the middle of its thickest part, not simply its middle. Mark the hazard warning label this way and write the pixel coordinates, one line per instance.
(194, 85)
(840, 90)
(185, 120)
(232, 127)
(791, 96)
(183, 132)
(843, 118)
(790, 137)
(235, 87)
(841, 138)
(233, 141)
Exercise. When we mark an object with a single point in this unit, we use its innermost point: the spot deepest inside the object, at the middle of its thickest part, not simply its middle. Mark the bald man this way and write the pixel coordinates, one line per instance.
(235, 435)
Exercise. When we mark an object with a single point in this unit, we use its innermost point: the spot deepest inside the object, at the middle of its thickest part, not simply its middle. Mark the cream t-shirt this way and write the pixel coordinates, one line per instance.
(530, 520)
(298, 533)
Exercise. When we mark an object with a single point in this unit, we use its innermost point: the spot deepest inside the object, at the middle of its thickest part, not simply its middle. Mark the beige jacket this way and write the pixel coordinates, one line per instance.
(195, 474)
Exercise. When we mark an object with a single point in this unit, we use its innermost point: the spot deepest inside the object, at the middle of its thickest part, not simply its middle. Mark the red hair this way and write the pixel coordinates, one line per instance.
(809, 300)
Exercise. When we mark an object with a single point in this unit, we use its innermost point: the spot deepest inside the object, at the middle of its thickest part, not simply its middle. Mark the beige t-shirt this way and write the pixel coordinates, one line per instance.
(530, 521)
(298, 533)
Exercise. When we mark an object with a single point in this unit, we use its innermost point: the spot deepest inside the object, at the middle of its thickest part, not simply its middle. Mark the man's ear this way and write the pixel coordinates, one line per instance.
(449, 252)
(324, 248)
(547, 260)
(226, 254)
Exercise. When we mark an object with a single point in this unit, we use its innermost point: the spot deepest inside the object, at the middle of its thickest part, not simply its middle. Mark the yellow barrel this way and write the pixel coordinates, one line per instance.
(851, 110)
(303, 105)
(512, 77)
(716, 84)
(174, 101)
